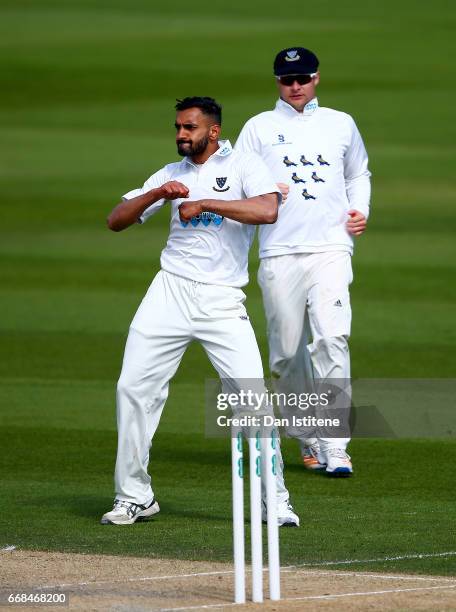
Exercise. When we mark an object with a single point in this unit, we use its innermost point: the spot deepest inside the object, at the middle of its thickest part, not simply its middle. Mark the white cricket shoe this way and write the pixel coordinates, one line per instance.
(126, 513)
(286, 516)
(338, 462)
(311, 456)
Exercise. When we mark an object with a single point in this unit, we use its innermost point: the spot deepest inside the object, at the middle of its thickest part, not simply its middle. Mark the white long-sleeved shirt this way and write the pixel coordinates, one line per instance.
(320, 154)
(210, 248)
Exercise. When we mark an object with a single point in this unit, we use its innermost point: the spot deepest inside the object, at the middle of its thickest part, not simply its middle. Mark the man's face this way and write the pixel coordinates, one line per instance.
(194, 131)
(298, 95)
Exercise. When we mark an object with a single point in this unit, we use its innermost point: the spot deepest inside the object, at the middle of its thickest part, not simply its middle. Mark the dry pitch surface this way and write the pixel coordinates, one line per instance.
(97, 582)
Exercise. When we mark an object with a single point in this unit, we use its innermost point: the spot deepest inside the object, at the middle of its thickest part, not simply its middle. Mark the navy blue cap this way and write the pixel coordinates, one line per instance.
(295, 60)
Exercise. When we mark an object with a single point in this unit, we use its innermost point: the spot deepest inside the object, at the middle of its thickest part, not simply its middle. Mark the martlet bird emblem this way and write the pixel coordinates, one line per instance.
(316, 178)
(304, 161)
(296, 179)
(288, 162)
(307, 195)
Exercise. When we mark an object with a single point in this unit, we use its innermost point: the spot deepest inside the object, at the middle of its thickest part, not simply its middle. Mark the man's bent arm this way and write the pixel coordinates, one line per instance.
(129, 211)
(256, 210)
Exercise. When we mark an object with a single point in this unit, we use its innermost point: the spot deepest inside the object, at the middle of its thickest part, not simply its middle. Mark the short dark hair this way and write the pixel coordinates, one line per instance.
(208, 106)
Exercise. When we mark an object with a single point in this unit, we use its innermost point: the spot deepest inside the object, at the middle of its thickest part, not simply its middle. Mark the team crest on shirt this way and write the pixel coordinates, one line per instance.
(221, 180)
(292, 56)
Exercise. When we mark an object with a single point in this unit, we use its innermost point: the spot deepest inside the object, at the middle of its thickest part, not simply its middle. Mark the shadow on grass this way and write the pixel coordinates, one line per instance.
(94, 506)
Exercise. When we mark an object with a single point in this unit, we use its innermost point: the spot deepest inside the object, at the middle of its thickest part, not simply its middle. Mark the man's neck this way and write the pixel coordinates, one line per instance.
(308, 108)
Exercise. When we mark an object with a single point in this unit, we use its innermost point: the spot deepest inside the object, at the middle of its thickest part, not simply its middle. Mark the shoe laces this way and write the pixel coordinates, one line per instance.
(337, 452)
(130, 507)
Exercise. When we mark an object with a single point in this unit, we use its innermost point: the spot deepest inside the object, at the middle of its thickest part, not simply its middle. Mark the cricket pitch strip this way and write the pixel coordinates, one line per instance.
(130, 584)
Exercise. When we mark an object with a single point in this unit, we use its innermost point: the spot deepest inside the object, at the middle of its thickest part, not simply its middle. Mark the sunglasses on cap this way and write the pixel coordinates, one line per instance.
(302, 79)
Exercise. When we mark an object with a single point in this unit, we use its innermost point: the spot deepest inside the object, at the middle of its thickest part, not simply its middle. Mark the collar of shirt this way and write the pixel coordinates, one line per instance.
(287, 109)
(224, 150)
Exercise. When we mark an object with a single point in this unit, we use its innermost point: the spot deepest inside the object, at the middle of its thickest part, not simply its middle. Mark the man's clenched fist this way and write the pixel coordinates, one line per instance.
(187, 210)
(173, 190)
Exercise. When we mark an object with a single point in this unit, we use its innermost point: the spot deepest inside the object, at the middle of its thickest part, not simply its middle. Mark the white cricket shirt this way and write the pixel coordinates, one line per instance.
(210, 248)
(319, 153)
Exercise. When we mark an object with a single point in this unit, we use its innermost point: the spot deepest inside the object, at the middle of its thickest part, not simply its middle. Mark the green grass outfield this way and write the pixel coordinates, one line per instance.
(86, 114)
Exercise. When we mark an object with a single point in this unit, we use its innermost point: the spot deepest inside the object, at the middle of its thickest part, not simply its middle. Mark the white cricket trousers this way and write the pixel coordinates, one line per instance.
(174, 312)
(305, 292)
